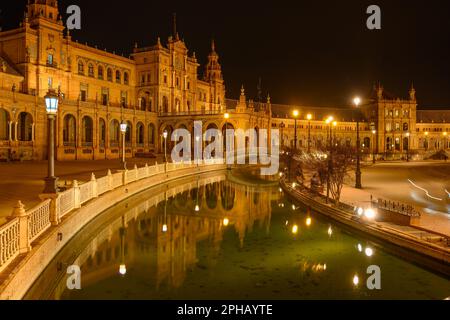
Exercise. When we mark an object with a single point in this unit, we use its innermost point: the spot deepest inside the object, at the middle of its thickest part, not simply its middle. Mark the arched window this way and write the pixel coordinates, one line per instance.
(4, 125)
(90, 70)
(100, 72)
(126, 79)
(101, 132)
(118, 76)
(151, 133)
(405, 126)
(140, 134)
(80, 67)
(128, 133)
(143, 103)
(114, 133)
(87, 131)
(165, 103)
(109, 74)
(25, 132)
(69, 130)
(366, 143)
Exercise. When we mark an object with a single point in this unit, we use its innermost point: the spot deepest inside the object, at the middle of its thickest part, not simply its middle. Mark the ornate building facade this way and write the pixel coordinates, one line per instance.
(158, 89)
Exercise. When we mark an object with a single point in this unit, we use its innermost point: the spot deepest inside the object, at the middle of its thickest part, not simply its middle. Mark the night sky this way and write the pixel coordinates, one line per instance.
(306, 52)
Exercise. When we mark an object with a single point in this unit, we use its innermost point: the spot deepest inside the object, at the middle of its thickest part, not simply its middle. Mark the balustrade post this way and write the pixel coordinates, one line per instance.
(24, 240)
(146, 170)
(94, 186)
(54, 207)
(136, 171)
(76, 194)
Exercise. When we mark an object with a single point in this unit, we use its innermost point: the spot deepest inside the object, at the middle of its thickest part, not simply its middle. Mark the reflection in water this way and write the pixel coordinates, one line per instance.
(211, 238)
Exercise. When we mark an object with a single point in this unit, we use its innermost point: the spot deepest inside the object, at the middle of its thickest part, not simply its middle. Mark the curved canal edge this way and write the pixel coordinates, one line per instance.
(439, 257)
(21, 275)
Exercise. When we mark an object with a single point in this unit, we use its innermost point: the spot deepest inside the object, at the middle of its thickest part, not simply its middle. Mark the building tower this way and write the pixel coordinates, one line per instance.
(213, 75)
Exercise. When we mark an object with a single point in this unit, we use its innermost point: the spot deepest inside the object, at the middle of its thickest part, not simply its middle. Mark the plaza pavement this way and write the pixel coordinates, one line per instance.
(390, 181)
(24, 181)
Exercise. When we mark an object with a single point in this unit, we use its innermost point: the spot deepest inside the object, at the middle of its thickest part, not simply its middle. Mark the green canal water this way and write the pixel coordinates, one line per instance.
(227, 240)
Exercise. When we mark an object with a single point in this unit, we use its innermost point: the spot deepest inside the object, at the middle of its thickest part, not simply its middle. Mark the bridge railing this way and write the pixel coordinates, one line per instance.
(26, 226)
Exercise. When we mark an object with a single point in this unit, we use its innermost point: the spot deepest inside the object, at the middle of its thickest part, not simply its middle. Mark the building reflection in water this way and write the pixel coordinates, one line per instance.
(161, 235)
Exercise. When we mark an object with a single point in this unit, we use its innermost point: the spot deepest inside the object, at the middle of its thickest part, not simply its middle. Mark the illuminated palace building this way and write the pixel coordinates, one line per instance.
(157, 89)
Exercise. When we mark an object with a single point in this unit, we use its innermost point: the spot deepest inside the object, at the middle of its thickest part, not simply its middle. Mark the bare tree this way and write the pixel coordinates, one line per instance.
(342, 162)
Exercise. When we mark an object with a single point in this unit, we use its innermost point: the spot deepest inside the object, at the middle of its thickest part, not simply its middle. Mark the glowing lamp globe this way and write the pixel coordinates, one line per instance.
(123, 127)
(51, 102)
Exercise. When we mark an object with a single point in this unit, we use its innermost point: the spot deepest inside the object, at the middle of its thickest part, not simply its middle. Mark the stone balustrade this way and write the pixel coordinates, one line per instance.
(26, 226)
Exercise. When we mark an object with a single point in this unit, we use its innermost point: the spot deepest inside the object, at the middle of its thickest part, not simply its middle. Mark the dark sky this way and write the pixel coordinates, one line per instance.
(306, 52)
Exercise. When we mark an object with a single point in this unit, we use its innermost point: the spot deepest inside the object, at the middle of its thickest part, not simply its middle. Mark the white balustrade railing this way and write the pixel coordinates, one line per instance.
(17, 235)
(86, 192)
(117, 180)
(103, 185)
(66, 202)
(39, 220)
(9, 242)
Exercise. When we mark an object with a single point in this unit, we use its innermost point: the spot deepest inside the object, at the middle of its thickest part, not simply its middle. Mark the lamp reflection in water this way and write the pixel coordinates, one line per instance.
(164, 227)
(197, 207)
(308, 221)
(122, 230)
(355, 280)
(330, 231)
(294, 229)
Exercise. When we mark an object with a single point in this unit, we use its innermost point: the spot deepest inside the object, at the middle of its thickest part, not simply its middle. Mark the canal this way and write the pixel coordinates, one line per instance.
(212, 237)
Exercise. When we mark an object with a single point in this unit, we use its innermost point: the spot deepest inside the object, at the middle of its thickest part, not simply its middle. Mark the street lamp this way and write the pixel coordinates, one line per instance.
(373, 146)
(51, 103)
(123, 129)
(356, 102)
(165, 145)
(309, 117)
(426, 141)
(295, 114)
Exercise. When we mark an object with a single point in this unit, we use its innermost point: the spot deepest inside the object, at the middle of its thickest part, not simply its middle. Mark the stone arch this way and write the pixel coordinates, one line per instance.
(114, 133)
(102, 132)
(140, 133)
(151, 134)
(69, 130)
(25, 127)
(87, 131)
(4, 124)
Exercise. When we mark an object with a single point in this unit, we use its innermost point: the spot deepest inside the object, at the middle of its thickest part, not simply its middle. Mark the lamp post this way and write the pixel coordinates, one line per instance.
(358, 185)
(309, 117)
(122, 232)
(123, 130)
(426, 141)
(407, 146)
(51, 103)
(165, 145)
(295, 114)
(373, 146)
